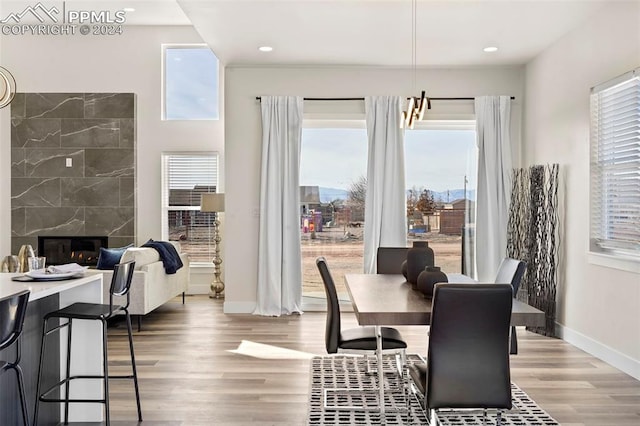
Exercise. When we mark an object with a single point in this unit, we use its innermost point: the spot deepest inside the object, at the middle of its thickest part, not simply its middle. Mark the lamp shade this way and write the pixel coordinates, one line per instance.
(212, 203)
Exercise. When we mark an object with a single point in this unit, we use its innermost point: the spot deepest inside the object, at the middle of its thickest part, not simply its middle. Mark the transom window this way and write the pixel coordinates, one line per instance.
(190, 83)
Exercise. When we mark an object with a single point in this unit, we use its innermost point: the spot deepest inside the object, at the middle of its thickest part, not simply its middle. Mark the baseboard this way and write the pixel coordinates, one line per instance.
(607, 354)
(239, 307)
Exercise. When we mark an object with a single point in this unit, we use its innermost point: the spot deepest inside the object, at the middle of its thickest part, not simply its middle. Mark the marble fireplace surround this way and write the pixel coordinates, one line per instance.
(73, 166)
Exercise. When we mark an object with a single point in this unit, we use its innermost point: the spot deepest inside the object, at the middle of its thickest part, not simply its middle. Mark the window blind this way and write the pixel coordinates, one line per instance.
(189, 176)
(185, 178)
(615, 165)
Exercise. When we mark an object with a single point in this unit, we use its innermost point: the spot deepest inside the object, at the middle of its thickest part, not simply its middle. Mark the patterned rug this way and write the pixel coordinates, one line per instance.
(349, 372)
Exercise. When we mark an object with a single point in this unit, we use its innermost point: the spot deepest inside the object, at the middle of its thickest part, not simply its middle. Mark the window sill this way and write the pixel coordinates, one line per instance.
(201, 267)
(622, 263)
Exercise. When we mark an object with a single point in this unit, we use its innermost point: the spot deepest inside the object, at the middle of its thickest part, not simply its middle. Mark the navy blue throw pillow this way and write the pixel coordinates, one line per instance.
(110, 257)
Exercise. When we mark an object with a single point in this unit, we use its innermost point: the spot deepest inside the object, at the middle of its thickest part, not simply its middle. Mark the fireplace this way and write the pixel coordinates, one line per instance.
(81, 250)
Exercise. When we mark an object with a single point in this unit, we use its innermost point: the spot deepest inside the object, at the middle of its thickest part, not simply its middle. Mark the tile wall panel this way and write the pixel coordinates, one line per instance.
(35, 133)
(54, 221)
(109, 105)
(35, 192)
(54, 105)
(90, 133)
(90, 192)
(44, 163)
(109, 162)
(110, 221)
(72, 166)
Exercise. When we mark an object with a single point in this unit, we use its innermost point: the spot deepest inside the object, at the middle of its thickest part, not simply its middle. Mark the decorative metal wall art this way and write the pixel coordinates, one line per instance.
(7, 87)
(532, 236)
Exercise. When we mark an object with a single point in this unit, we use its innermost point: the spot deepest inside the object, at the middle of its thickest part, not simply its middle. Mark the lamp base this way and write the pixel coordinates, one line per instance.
(216, 289)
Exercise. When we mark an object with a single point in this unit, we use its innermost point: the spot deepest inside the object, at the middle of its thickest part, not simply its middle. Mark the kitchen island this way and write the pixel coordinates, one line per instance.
(86, 350)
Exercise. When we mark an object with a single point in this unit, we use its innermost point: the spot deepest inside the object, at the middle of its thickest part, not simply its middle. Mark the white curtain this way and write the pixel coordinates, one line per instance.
(385, 215)
(493, 115)
(279, 256)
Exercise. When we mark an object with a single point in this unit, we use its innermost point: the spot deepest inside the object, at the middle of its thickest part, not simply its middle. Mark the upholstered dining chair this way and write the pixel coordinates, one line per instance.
(389, 259)
(360, 340)
(12, 313)
(511, 271)
(468, 356)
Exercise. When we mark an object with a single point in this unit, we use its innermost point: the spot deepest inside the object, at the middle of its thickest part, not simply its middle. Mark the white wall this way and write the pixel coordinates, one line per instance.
(243, 137)
(127, 63)
(598, 307)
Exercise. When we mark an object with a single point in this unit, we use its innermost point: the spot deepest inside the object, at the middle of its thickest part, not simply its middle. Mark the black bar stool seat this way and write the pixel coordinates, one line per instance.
(85, 311)
(120, 286)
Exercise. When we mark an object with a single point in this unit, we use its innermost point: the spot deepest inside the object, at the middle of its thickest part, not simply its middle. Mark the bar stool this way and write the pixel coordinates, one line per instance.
(120, 285)
(12, 312)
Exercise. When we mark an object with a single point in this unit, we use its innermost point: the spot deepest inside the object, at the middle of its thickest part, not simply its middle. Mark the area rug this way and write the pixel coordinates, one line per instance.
(350, 373)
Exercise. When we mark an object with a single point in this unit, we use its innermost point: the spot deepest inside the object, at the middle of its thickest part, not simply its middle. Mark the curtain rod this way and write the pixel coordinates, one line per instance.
(258, 98)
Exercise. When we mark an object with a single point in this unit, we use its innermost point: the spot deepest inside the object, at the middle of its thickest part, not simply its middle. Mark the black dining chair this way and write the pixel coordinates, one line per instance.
(511, 271)
(389, 259)
(13, 310)
(468, 356)
(120, 286)
(360, 340)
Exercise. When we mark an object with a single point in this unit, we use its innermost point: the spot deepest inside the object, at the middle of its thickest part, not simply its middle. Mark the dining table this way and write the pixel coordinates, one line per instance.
(389, 300)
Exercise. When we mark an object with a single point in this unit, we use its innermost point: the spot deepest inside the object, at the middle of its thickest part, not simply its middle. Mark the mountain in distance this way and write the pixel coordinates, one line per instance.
(452, 195)
(329, 194)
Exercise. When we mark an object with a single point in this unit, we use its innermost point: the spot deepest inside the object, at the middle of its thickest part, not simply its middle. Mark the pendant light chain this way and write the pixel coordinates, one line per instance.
(416, 106)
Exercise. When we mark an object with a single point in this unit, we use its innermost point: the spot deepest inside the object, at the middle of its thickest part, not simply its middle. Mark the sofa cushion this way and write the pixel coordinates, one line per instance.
(109, 257)
(141, 255)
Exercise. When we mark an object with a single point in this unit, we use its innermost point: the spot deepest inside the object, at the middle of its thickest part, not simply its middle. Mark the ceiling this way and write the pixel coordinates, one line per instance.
(378, 32)
(360, 32)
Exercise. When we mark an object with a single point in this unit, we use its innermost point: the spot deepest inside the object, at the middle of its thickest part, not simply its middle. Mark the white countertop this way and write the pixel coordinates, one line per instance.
(40, 289)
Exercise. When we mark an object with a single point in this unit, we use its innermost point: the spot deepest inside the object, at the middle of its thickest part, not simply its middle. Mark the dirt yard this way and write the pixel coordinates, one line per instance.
(343, 249)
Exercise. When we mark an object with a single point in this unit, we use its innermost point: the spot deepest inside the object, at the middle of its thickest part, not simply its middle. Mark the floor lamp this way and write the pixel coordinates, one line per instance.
(214, 203)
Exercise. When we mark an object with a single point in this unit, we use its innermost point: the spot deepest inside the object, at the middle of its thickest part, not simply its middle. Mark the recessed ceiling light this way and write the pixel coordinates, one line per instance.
(490, 49)
(129, 9)
(265, 48)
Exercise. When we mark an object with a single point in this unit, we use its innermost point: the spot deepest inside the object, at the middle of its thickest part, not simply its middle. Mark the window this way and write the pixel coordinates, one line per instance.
(615, 166)
(333, 164)
(185, 177)
(441, 166)
(190, 83)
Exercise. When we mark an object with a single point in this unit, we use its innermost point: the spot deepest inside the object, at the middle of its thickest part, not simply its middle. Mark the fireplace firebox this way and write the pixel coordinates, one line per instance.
(79, 249)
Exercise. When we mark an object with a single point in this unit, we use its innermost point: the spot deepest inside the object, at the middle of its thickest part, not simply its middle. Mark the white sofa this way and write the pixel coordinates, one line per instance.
(150, 286)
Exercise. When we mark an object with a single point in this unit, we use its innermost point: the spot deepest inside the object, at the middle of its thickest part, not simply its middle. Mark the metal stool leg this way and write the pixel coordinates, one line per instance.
(39, 381)
(106, 371)
(23, 399)
(514, 342)
(133, 365)
(67, 384)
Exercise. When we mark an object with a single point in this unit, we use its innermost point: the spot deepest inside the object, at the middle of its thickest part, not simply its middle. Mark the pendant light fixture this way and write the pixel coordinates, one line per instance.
(416, 105)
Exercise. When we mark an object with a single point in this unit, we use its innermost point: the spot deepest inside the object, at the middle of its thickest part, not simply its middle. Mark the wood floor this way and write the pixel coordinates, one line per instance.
(200, 367)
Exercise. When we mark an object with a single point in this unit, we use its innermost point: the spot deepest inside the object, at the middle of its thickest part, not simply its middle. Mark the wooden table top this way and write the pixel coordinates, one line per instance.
(387, 299)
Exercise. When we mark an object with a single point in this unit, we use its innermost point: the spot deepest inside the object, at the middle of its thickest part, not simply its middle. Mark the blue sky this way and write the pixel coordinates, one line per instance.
(434, 159)
(191, 84)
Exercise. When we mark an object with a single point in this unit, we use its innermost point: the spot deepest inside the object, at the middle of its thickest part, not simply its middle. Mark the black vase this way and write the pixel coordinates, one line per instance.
(403, 269)
(429, 278)
(418, 257)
